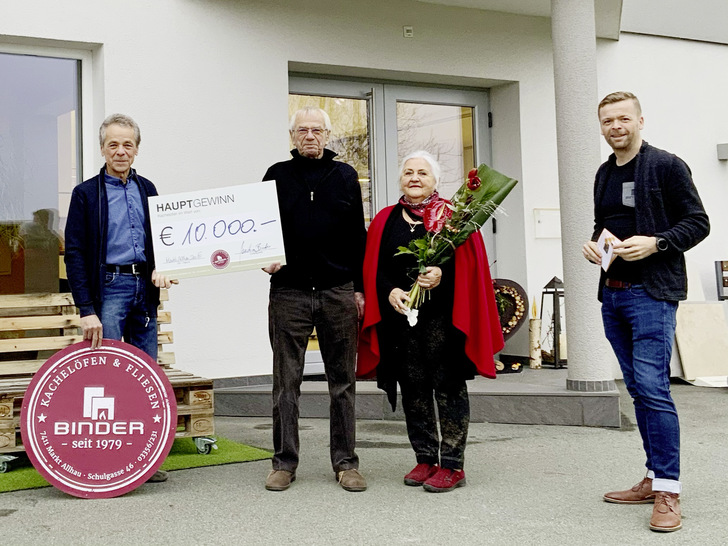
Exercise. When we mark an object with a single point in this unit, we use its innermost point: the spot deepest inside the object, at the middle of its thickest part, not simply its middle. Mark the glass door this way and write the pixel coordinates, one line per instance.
(349, 135)
(376, 124)
(351, 107)
(443, 130)
(451, 124)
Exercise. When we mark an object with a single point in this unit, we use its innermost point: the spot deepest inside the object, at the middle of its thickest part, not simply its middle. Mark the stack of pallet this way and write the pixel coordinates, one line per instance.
(34, 326)
(195, 404)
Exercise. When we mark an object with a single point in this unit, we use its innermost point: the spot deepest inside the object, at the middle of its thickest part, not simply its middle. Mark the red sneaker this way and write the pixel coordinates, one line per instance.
(446, 479)
(420, 474)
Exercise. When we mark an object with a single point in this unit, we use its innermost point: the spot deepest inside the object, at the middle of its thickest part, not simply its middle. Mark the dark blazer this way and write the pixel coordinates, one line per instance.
(86, 233)
(667, 205)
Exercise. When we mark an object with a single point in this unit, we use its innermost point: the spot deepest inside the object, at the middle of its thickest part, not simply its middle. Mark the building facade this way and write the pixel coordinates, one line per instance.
(210, 84)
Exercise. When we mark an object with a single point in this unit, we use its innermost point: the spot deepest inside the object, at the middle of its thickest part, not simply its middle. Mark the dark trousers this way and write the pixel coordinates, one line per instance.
(292, 316)
(427, 380)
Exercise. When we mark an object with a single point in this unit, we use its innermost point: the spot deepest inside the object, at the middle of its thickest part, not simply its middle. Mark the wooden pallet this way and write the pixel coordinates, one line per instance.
(32, 328)
(195, 404)
(35, 326)
(11, 400)
(164, 337)
(193, 394)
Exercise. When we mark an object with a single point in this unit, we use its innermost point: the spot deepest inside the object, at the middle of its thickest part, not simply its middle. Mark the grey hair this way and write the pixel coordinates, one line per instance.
(427, 156)
(124, 121)
(310, 110)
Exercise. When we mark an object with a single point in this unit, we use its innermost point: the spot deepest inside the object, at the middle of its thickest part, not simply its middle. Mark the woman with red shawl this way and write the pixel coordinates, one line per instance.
(456, 334)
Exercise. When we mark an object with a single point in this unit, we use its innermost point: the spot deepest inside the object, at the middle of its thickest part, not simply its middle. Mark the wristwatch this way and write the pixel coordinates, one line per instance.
(661, 243)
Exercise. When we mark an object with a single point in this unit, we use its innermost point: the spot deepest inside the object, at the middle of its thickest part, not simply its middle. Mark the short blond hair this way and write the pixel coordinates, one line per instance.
(619, 96)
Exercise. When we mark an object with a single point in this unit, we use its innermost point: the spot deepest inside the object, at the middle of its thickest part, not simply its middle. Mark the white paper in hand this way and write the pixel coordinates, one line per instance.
(606, 248)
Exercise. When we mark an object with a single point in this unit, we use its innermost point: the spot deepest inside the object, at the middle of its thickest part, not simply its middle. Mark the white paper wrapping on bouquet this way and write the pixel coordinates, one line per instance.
(411, 315)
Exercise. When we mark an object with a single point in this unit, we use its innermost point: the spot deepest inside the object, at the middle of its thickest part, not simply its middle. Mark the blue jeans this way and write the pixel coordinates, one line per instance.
(124, 312)
(641, 331)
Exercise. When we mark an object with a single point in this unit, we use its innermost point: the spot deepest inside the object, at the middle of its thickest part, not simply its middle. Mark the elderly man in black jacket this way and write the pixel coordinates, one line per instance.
(646, 198)
(320, 286)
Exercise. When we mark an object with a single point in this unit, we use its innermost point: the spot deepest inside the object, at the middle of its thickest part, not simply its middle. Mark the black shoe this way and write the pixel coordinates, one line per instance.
(158, 477)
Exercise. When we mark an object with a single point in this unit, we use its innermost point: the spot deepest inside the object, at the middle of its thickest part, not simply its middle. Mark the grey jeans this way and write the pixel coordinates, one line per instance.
(292, 315)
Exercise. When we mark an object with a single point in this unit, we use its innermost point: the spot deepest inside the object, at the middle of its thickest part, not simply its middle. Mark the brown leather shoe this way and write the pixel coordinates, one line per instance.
(666, 515)
(279, 480)
(352, 480)
(639, 494)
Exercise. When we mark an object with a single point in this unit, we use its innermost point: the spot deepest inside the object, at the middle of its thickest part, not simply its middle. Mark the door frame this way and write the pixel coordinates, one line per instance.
(382, 97)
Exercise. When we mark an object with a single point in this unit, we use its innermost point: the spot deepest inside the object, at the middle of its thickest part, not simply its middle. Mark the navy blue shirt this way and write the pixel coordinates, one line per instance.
(125, 240)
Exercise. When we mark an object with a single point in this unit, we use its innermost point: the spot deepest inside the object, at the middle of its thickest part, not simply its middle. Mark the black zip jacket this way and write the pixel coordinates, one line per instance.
(322, 219)
(667, 205)
(86, 234)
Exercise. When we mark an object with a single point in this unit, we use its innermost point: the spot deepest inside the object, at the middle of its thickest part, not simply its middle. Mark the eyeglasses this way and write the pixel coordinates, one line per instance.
(315, 131)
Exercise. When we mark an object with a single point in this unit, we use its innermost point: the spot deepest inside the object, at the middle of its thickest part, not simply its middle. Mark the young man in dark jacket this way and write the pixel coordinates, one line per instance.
(646, 198)
(320, 286)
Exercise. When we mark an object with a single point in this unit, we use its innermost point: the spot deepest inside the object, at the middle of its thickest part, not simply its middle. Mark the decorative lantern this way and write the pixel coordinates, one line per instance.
(555, 289)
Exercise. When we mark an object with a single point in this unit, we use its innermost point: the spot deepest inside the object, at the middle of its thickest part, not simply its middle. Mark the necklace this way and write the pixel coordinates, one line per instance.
(411, 223)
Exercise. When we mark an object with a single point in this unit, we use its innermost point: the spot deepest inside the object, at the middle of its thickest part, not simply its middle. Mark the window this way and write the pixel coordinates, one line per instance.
(39, 166)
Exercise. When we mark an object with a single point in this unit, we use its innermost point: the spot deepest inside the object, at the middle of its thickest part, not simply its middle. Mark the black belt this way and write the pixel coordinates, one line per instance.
(133, 269)
(612, 283)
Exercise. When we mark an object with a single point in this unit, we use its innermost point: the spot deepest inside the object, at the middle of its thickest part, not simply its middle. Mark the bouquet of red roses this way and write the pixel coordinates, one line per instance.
(450, 223)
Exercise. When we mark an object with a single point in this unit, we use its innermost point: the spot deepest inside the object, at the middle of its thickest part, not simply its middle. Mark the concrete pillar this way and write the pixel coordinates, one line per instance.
(577, 131)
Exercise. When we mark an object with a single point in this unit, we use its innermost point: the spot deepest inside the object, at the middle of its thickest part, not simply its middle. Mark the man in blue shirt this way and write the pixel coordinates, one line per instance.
(109, 254)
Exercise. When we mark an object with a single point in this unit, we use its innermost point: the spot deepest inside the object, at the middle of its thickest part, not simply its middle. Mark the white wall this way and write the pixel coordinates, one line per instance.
(682, 86)
(207, 82)
(703, 20)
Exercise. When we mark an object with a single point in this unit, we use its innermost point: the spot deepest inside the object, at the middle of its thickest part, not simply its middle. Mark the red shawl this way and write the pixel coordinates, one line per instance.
(474, 311)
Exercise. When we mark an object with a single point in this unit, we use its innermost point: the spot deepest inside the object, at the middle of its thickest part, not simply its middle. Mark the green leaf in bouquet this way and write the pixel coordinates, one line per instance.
(476, 206)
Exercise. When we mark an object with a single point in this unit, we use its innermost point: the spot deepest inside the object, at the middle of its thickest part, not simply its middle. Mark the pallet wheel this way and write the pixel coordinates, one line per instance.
(5, 463)
(205, 445)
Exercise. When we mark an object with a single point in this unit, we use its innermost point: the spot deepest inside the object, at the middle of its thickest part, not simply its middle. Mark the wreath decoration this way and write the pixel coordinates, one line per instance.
(511, 301)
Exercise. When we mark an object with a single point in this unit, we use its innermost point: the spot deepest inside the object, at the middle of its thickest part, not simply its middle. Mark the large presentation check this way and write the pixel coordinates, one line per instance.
(217, 230)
